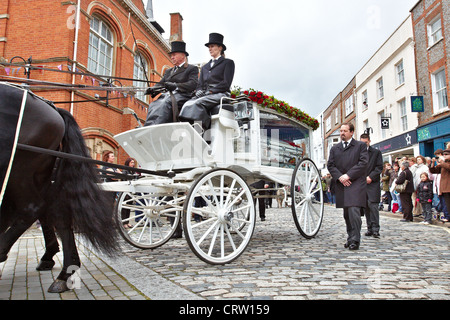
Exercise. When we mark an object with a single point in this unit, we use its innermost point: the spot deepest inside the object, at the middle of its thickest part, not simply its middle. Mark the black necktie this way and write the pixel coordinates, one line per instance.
(345, 144)
(175, 69)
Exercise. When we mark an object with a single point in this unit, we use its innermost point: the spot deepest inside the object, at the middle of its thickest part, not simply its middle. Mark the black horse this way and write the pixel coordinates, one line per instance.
(64, 197)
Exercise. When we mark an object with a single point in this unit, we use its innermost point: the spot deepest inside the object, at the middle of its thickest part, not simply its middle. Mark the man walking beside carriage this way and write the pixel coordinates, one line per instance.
(180, 81)
(374, 168)
(347, 165)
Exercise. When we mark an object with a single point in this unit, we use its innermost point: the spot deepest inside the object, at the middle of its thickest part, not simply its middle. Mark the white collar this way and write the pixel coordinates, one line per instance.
(180, 65)
(348, 142)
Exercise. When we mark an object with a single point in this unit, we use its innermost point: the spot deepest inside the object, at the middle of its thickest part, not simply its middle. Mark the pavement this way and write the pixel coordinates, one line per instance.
(409, 261)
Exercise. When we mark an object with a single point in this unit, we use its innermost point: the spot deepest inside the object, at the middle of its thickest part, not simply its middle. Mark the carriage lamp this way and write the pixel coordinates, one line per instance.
(243, 111)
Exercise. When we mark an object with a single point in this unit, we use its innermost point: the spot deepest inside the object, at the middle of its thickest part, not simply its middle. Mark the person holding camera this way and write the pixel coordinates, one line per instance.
(180, 81)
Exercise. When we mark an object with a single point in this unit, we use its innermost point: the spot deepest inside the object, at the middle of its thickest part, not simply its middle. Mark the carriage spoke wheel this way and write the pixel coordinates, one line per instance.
(219, 216)
(147, 221)
(307, 198)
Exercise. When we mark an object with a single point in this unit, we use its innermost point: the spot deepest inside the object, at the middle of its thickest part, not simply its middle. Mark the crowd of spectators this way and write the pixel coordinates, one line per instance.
(428, 192)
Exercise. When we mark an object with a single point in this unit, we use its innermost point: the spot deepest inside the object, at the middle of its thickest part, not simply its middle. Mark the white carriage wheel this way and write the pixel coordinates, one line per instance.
(219, 216)
(307, 198)
(152, 217)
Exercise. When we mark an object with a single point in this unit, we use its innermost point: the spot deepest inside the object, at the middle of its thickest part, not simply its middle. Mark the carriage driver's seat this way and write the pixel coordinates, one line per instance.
(224, 129)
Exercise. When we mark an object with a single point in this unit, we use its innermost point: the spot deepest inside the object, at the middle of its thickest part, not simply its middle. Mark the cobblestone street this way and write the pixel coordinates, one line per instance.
(409, 261)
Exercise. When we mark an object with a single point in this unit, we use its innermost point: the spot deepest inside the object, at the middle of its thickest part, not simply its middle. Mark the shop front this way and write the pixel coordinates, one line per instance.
(404, 145)
(433, 136)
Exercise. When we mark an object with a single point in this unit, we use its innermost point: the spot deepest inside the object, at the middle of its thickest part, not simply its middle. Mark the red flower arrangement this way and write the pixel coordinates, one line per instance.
(270, 102)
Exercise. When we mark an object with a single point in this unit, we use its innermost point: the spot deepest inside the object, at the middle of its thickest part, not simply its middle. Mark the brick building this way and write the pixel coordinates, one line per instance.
(431, 24)
(113, 43)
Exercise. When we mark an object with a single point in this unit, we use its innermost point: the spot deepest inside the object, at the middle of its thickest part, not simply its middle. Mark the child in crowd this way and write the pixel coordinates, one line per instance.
(425, 196)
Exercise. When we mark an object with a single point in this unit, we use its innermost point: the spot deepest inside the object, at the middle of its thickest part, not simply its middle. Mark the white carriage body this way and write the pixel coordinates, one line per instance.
(267, 148)
(206, 179)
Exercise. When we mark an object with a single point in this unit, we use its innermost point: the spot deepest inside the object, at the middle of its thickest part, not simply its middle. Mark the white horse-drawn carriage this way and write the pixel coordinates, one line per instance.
(206, 180)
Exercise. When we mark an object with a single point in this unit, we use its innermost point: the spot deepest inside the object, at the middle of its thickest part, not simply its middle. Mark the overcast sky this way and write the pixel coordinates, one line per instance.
(302, 52)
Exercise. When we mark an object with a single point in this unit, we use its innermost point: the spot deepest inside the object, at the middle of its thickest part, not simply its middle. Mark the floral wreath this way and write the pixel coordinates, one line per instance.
(282, 107)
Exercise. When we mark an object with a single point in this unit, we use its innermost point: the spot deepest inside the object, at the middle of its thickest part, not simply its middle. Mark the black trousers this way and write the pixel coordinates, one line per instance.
(372, 217)
(261, 204)
(407, 206)
(352, 216)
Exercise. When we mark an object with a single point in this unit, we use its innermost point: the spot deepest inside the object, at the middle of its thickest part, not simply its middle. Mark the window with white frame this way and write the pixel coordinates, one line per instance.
(349, 105)
(101, 45)
(140, 72)
(380, 89)
(434, 31)
(403, 115)
(440, 100)
(328, 124)
(365, 102)
(336, 115)
(400, 73)
(335, 141)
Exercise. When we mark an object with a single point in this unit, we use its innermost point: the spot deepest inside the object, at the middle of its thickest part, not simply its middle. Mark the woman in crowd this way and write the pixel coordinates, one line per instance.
(125, 214)
(405, 196)
(420, 167)
(443, 168)
(395, 196)
(386, 179)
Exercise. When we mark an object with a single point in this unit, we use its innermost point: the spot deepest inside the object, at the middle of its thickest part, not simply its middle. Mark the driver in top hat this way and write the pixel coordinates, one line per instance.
(181, 80)
(215, 81)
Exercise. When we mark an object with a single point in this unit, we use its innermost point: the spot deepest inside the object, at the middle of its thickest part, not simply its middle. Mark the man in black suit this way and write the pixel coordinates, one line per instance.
(215, 81)
(374, 169)
(347, 164)
(181, 80)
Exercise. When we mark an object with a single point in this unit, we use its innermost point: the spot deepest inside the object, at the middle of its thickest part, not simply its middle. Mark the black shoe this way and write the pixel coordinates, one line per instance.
(177, 235)
(354, 246)
(368, 234)
(346, 245)
(376, 235)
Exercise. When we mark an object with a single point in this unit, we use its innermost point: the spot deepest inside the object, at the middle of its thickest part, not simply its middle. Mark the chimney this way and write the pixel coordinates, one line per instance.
(176, 27)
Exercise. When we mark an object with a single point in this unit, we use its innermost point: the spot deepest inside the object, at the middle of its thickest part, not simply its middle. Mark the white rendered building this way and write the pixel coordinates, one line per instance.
(384, 87)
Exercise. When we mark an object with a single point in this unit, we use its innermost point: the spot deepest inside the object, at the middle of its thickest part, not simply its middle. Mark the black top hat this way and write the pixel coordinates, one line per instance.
(216, 38)
(179, 46)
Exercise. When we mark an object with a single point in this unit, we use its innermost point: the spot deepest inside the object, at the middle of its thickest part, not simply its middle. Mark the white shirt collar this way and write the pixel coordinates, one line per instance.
(348, 142)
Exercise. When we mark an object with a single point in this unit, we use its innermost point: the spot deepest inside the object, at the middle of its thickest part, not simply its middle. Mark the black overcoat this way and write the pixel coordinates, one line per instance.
(217, 79)
(353, 162)
(186, 78)
(374, 169)
(406, 175)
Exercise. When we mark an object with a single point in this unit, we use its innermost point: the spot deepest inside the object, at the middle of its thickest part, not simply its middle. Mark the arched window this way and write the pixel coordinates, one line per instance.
(140, 72)
(101, 44)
